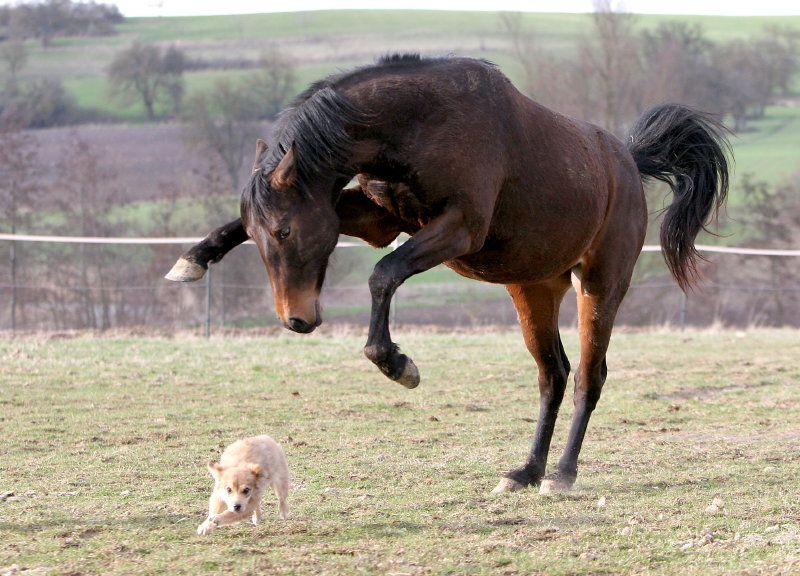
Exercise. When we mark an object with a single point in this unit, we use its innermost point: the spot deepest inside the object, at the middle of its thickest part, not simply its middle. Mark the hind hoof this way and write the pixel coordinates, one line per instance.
(554, 484)
(185, 271)
(508, 485)
(410, 376)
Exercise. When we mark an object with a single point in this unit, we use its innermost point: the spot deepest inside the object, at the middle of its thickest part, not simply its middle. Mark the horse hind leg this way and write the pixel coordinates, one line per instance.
(537, 307)
(598, 302)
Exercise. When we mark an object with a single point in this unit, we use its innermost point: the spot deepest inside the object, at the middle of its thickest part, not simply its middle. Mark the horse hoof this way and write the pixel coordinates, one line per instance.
(554, 484)
(508, 485)
(185, 271)
(410, 376)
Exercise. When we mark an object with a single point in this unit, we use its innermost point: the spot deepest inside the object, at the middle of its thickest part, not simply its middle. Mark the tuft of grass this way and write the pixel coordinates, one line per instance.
(690, 466)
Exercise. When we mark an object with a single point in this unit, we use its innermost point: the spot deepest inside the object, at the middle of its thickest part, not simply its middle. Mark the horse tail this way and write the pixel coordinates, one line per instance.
(688, 150)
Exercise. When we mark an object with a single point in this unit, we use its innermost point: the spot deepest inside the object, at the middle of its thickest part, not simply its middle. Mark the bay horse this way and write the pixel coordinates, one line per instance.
(493, 185)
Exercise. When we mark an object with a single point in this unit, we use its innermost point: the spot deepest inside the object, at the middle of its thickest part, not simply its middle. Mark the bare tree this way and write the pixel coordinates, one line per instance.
(525, 50)
(679, 67)
(273, 83)
(222, 124)
(90, 196)
(783, 45)
(17, 184)
(147, 73)
(48, 19)
(609, 64)
(14, 56)
(602, 85)
(744, 86)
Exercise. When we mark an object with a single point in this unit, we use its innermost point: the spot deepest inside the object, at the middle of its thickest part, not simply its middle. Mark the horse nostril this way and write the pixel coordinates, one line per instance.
(300, 325)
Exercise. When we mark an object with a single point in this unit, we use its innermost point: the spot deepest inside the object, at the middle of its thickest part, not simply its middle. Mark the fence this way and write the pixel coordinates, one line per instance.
(59, 283)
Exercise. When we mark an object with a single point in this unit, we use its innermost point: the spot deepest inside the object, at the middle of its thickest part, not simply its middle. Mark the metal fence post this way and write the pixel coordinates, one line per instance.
(208, 303)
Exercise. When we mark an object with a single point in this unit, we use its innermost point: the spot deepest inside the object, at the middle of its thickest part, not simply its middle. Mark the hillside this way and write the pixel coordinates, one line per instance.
(323, 42)
(326, 41)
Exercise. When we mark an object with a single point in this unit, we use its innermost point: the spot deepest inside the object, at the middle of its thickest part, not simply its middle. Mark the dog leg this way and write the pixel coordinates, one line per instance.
(215, 506)
(257, 513)
(282, 492)
(206, 528)
(225, 518)
(229, 517)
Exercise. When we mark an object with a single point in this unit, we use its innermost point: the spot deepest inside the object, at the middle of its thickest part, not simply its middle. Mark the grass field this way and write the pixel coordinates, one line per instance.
(691, 464)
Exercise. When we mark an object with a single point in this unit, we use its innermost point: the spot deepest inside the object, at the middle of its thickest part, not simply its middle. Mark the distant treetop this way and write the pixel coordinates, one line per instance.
(47, 19)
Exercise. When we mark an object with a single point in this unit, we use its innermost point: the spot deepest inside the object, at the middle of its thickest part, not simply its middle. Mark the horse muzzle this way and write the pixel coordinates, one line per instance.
(301, 326)
(304, 323)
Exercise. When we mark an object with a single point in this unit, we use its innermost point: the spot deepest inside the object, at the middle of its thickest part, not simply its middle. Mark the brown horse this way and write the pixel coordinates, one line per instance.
(488, 182)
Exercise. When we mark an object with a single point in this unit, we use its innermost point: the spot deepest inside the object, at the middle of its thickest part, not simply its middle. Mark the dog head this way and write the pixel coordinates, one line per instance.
(236, 485)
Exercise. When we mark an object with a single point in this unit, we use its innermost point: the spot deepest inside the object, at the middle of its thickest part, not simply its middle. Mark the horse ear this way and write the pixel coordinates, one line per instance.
(285, 174)
(261, 151)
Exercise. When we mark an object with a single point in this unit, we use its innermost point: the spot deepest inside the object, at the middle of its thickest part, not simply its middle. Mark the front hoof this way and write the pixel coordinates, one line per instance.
(508, 485)
(185, 271)
(555, 483)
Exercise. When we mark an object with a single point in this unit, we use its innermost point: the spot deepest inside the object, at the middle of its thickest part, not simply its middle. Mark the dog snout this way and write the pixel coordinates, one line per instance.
(237, 507)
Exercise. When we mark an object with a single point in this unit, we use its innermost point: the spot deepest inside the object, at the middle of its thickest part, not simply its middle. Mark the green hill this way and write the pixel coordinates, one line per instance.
(326, 41)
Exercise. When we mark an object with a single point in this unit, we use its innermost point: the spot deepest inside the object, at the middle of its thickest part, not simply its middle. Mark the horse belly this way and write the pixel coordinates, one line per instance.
(515, 266)
(534, 238)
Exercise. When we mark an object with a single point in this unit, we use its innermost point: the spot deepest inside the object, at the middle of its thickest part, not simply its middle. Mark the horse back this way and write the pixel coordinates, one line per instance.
(456, 134)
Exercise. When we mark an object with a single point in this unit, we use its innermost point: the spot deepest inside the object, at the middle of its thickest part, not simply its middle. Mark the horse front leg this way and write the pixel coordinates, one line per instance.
(192, 265)
(444, 238)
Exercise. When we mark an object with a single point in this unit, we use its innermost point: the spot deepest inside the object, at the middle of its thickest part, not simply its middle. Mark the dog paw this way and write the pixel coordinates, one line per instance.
(206, 528)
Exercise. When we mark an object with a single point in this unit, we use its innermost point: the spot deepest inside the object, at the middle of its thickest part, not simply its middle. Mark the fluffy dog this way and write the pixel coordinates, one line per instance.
(241, 476)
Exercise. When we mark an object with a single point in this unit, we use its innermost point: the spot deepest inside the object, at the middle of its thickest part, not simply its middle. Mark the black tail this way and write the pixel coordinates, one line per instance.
(688, 150)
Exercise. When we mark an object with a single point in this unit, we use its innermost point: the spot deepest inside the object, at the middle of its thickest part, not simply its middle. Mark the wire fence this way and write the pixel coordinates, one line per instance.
(64, 283)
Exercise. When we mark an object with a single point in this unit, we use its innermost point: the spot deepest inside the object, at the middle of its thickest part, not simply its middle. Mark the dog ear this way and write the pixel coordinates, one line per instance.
(256, 470)
(215, 469)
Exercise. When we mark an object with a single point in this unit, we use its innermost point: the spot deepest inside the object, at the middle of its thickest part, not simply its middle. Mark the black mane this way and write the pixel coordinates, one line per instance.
(316, 121)
(317, 124)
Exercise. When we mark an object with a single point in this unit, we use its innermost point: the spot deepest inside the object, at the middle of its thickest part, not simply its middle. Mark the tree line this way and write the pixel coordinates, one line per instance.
(49, 19)
(223, 121)
(41, 103)
(618, 70)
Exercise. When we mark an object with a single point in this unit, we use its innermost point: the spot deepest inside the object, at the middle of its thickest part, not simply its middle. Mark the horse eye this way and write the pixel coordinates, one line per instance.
(284, 233)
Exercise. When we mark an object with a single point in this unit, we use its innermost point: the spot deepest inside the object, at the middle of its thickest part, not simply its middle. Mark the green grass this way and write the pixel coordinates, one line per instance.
(769, 149)
(105, 441)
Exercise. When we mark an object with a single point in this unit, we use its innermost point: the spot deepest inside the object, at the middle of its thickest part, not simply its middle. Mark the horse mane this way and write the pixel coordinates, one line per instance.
(316, 123)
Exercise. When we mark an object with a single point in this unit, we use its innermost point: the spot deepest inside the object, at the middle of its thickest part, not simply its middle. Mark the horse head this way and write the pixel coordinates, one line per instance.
(295, 234)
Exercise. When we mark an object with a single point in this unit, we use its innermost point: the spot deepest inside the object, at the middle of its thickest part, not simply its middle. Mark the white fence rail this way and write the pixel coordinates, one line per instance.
(198, 297)
(194, 240)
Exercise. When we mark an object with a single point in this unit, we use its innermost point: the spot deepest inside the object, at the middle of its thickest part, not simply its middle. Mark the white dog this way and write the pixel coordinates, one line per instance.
(241, 476)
